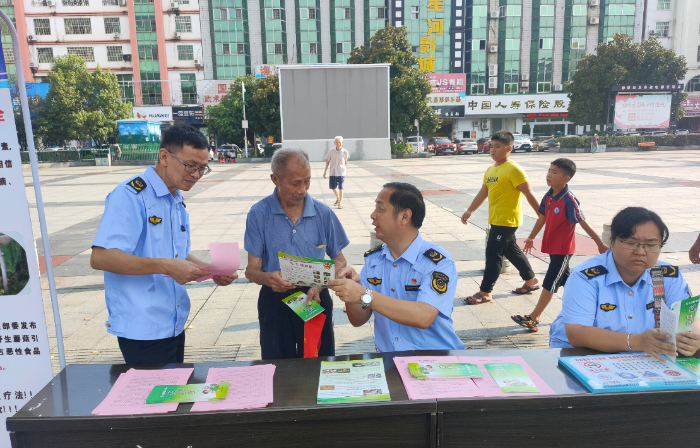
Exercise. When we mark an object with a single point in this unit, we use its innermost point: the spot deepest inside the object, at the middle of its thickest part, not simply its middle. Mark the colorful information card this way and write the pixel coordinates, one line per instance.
(352, 381)
(297, 302)
(628, 372)
(692, 364)
(187, 393)
(442, 370)
(511, 378)
(303, 271)
(678, 318)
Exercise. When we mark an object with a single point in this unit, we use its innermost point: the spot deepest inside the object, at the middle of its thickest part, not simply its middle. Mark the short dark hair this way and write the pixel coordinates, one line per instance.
(183, 134)
(407, 196)
(504, 137)
(624, 223)
(566, 165)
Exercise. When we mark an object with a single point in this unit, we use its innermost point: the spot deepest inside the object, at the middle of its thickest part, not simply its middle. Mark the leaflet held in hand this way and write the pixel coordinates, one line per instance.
(302, 271)
(297, 302)
(678, 318)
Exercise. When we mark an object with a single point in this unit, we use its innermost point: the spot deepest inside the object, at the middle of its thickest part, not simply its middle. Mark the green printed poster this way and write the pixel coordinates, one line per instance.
(187, 393)
(434, 371)
(511, 378)
(297, 302)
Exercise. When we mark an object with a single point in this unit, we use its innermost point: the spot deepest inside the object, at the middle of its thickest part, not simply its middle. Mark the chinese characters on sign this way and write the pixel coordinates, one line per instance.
(449, 111)
(263, 71)
(507, 104)
(214, 91)
(191, 115)
(427, 43)
(15, 333)
(448, 83)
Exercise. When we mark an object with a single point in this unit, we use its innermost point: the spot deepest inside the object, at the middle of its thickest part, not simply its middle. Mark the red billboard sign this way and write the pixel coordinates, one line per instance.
(691, 106)
(448, 83)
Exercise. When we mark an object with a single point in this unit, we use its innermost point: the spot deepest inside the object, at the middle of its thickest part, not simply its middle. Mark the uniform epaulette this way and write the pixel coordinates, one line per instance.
(670, 271)
(375, 249)
(435, 256)
(595, 271)
(138, 185)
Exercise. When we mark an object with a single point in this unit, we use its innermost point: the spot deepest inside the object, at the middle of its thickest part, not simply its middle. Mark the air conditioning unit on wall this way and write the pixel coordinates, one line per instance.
(176, 35)
(594, 3)
(197, 63)
(525, 77)
(484, 123)
(524, 85)
(122, 2)
(594, 21)
(493, 48)
(493, 83)
(174, 5)
(495, 14)
(558, 87)
(493, 69)
(475, 123)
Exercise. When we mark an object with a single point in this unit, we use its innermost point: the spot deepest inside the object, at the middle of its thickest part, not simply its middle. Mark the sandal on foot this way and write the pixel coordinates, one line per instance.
(521, 320)
(525, 289)
(476, 299)
(340, 205)
(336, 201)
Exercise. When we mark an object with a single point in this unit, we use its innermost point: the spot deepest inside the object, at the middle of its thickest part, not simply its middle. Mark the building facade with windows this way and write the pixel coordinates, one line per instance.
(153, 46)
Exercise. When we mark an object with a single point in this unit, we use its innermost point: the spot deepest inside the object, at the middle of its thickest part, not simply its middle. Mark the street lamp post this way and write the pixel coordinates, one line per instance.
(245, 122)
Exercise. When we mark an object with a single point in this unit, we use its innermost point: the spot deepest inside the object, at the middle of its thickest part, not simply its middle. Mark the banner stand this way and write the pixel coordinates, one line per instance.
(37, 187)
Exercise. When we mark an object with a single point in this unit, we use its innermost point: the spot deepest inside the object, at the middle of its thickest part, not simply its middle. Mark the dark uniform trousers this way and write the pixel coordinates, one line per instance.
(282, 330)
(155, 352)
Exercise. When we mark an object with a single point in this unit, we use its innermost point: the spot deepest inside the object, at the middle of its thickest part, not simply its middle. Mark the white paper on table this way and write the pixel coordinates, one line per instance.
(668, 324)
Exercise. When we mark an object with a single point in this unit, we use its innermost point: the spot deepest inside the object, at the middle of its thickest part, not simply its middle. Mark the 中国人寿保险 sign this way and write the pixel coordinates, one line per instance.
(515, 104)
(153, 113)
(25, 360)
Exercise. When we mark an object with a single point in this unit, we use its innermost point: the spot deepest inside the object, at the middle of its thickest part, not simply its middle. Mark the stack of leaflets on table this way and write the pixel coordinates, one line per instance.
(187, 393)
(297, 302)
(249, 387)
(303, 271)
(678, 318)
(622, 372)
(352, 381)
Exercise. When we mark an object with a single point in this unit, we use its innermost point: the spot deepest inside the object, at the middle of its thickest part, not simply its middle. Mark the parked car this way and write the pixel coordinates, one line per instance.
(441, 145)
(484, 148)
(466, 146)
(522, 142)
(681, 131)
(544, 142)
(654, 133)
(623, 133)
(229, 151)
(416, 143)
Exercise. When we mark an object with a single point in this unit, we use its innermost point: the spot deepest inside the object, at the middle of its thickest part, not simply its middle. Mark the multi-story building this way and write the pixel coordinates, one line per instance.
(8, 8)
(153, 46)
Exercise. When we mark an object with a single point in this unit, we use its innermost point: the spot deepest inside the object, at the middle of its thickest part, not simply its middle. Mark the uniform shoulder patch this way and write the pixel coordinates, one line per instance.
(607, 306)
(374, 249)
(435, 256)
(440, 282)
(374, 281)
(670, 271)
(138, 185)
(595, 271)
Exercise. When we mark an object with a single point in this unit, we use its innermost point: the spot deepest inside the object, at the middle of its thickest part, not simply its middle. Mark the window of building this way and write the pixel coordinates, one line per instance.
(183, 24)
(185, 52)
(546, 43)
(313, 48)
(579, 10)
(112, 25)
(662, 29)
(45, 55)
(76, 3)
(278, 48)
(348, 13)
(415, 49)
(342, 47)
(240, 48)
(77, 25)
(238, 13)
(544, 87)
(694, 84)
(87, 53)
(308, 13)
(188, 86)
(578, 43)
(663, 5)
(226, 49)
(478, 89)
(114, 53)
(512, 44)
(698, 53)
(478, 44)
(620, 10)
(415, 12)
(546, 10)
(148, 52)
(510, 87)
(224, 14)
(145, 22)
(276, 14)
(42, 27)
(9, 54)
(510, 11)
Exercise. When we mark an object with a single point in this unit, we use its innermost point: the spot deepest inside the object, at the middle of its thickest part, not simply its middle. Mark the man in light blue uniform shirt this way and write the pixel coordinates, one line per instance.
(408, 283)
(144, 235)
(292, 222)
(608, 302)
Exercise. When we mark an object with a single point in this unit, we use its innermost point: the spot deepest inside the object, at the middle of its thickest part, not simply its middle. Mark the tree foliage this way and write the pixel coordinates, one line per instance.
(224, 120)
(267, 105)
(408, 87)
(80, 105)
(619, 61)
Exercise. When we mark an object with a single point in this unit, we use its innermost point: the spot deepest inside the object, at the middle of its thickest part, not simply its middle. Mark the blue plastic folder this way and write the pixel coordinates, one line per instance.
(627, 372)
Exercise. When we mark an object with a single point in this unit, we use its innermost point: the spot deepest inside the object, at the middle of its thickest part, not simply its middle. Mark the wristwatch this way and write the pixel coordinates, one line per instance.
(366, 299)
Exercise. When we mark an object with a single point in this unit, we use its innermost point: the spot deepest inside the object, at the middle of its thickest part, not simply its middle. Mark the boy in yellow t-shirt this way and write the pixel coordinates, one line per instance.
(503, 184)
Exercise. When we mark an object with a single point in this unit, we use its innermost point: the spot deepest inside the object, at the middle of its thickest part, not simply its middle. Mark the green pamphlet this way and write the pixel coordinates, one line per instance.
(692, 364)
(303, 271)
(434, 371)
(511, 377)
(297, 302)
(187, 393)
(352, 381)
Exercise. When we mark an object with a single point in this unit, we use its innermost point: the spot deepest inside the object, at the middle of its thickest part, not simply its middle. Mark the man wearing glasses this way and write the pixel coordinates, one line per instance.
(144, 236)
(608, 303)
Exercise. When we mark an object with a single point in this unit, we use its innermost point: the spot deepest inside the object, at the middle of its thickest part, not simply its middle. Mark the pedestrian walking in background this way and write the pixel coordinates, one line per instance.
(337, 160)
(594, 143)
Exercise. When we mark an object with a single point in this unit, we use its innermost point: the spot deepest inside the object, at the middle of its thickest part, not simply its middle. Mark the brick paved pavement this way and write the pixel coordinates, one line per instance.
(224, 320)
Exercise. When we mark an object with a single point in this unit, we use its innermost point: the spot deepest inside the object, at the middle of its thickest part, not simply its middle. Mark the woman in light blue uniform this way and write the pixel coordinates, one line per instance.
(608, 303)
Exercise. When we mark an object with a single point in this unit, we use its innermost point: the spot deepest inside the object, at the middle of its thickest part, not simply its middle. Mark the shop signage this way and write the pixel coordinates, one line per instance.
(691, 106)
(642, 111)
(445, 99)
(153, 113)
(516, 104)
(544, 115)
(189, 115)
(448, 83)
(263, 71)
(214, 90)
(449, 111)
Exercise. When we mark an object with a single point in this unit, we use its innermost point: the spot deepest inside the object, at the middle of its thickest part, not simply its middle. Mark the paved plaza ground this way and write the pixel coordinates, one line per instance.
(223, 322)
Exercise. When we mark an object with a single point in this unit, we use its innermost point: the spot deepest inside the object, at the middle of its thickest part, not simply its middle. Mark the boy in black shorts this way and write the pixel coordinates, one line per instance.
(559, 213)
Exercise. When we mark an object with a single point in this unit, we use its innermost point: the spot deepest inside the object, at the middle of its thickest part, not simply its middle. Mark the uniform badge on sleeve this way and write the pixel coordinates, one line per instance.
(375, 249)
(595, 271)
(137, 184)
(374, 281)
(670, 271)
(607, 306)
(435, 256)
(440, 282)
(155, 220)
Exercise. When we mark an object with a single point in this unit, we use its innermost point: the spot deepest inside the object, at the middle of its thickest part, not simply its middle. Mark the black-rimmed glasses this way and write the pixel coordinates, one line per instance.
(191, 169)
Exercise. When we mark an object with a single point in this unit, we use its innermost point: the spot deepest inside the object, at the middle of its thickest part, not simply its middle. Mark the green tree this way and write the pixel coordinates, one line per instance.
(267, 106)
(224, 120)
(619, 61)
(408, 87)
(80, 105)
